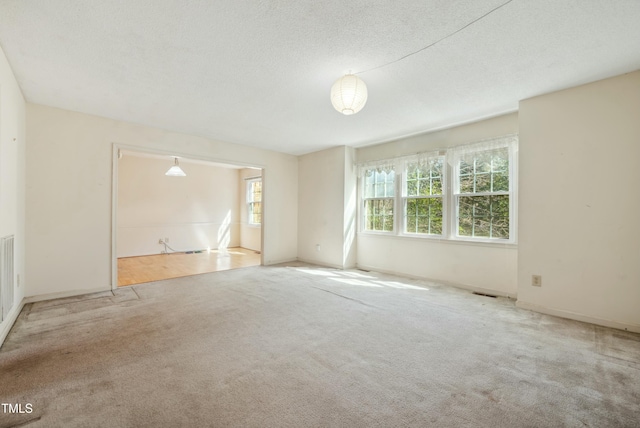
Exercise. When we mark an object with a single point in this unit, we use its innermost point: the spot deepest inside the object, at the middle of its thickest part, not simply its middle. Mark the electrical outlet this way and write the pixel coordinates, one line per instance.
(160, 241)
(166, 240)
(536, 280)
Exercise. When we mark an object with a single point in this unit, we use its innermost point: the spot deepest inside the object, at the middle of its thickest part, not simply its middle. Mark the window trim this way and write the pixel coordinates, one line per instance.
(455, 156)
(250, 202)
(449, 197)
(404, 198)
(364, 199)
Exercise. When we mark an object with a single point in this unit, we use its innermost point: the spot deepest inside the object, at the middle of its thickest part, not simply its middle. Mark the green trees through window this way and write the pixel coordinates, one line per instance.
(477, 205)
(423, 201)
(483, 197)
(379, 193)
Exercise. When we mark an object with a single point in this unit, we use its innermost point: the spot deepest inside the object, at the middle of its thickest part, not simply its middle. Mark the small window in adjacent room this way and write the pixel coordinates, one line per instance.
(254, 201)
(423, 200)
(379, 193)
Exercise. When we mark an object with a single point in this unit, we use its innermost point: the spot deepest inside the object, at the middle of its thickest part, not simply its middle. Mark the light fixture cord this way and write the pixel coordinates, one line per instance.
(438, 41)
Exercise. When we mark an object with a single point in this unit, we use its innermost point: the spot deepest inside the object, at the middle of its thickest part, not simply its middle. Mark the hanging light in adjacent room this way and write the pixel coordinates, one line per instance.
(349, 94)
(175, 170)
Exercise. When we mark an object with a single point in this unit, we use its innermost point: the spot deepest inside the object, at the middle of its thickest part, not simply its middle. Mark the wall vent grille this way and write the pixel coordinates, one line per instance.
(6, 276)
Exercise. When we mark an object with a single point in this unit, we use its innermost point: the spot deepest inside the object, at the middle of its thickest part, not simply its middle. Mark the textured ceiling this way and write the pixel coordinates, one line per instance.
(258, 72)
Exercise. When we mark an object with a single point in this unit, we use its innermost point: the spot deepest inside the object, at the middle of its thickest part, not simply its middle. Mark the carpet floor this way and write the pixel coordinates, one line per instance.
(302, 346)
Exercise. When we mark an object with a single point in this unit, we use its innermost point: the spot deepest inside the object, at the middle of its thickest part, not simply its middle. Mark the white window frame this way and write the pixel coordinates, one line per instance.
(251, 202)
(364, 199)
(450, 192)
(456, 156)
(404, 197)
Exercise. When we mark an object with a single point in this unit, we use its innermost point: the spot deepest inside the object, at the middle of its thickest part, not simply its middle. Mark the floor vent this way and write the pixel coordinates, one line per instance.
(6, 276)
(485, 295)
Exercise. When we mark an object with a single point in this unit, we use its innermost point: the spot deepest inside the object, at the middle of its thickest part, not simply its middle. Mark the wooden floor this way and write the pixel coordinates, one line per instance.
(136, 270)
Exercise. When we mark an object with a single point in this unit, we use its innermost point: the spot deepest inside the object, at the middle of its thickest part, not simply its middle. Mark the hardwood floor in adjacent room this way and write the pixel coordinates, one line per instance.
(136, 270)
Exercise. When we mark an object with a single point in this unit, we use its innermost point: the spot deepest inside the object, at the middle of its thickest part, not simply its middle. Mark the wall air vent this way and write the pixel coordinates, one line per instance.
(6, 276)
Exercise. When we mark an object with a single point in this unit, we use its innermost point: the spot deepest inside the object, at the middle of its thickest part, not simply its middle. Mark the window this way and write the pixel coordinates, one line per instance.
(482, 194)
(423, 201)
(379, 193)
(477, 205)
(254, 201)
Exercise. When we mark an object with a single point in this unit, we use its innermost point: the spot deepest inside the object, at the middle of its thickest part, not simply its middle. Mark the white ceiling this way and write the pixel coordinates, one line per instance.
(258, 72)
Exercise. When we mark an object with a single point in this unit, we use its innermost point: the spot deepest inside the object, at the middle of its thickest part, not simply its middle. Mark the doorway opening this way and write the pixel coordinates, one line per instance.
(200, 217)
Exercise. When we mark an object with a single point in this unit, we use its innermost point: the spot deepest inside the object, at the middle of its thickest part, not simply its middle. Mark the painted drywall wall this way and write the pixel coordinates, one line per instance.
(491, 267)
(350, 204)
(12, 180)
(579, 202)
(196, 212)
(250, 235)
(321, 209)
(68, 197)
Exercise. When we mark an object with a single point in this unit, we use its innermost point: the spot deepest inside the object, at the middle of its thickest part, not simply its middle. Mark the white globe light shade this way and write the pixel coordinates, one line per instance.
(349, 94)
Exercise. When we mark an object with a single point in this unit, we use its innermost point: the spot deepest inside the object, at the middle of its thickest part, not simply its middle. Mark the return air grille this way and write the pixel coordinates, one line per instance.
(6, 276)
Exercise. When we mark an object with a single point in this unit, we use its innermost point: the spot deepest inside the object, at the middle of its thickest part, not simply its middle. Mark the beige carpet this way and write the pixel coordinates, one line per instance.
(310, 347)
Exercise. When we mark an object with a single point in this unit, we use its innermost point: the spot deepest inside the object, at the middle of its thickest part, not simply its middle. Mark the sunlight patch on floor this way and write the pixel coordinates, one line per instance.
(357, 278)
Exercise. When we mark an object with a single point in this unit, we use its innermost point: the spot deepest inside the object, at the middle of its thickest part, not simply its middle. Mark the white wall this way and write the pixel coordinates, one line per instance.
(250, 235)
(68, 200)
(488, 267)
(579, 202)
(350, 205)
(326, 207)
(195, 212)
(12, 176)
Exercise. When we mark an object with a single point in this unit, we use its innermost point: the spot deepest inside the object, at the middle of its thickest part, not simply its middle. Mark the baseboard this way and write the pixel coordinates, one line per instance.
(578, 317)
(321, 264)
(61, 295)
(7, 324)
(277, 262)
(443, 282)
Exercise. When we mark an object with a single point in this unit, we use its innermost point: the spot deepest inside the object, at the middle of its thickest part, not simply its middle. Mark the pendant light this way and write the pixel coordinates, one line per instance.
(175, 170)
(349, 94)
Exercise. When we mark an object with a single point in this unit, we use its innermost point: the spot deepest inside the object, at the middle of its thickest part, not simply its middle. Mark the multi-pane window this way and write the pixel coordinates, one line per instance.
(479, 203)
(423, 201)
(482, 194)
(254, 201)
(378, 197)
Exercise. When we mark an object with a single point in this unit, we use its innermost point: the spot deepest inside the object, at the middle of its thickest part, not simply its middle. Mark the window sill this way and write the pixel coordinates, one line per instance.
(377, 233)
(442, 240)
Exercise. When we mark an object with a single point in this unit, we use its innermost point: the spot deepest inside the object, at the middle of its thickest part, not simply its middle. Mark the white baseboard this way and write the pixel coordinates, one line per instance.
(61, 295)
(322, 264)
(5, 326)
(443, 282)
(578, 317)
(277, 262)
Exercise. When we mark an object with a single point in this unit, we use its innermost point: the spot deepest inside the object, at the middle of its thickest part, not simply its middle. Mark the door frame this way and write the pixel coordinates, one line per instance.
(115, 157)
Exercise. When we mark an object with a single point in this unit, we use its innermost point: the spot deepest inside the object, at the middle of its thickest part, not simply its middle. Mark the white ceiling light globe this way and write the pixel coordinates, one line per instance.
(349, 94)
